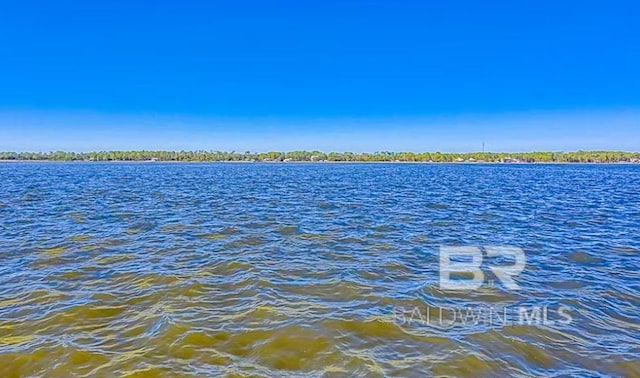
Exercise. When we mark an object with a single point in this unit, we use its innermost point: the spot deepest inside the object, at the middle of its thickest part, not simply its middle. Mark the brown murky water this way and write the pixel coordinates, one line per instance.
(316, 270)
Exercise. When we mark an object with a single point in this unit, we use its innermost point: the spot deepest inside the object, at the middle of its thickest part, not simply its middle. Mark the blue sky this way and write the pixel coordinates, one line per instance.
(349, 75)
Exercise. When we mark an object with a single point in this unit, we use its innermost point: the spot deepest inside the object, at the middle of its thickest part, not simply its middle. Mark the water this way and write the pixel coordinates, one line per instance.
(313, 269)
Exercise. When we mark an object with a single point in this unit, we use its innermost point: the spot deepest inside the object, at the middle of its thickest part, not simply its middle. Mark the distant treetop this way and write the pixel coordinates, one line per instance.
(311, 156)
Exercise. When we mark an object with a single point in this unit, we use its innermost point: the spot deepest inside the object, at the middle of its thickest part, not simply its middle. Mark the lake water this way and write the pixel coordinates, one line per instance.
(315, 269)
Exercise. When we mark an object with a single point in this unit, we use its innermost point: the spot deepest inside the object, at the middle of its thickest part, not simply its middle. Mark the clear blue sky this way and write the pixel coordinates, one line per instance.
(349, 75)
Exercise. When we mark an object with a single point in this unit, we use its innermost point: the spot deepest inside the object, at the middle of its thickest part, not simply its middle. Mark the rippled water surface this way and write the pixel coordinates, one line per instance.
(314, 269)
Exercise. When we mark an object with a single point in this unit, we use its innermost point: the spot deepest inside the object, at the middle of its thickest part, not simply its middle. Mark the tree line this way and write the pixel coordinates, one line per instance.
(383, 156)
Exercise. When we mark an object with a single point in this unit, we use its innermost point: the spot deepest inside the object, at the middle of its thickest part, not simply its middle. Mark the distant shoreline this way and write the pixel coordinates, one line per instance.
(8, 161)
(201, 156)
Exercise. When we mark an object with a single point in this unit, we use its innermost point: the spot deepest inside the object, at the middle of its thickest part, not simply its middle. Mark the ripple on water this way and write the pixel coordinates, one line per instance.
(54, 251)
(140, 227)
(466, 365)
(80, 237)
(583, 257)
(149, 270)
(212, 236)
(288, 230)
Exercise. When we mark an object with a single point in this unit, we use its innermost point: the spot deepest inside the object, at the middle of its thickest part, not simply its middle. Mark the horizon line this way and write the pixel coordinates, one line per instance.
(265, 151)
